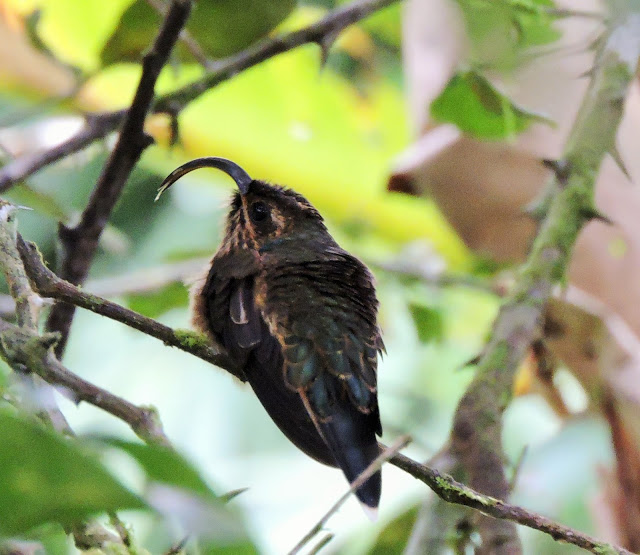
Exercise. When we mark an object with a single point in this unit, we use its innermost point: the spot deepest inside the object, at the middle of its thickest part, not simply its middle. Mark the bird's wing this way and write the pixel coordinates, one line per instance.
(224, 296)
(227, 309)
(323, 314)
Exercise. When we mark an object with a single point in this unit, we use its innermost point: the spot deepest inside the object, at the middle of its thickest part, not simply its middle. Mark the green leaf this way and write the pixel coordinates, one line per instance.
(473, 104)
(47, 478)
(48, 538)
(165, 466)
(219, 27)
(158, 302)
(395, 535)
(534, 24)
(75, 32)
(177, 491)
(429, 322)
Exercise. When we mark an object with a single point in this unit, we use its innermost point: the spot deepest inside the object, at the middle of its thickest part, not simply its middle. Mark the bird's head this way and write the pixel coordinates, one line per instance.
(262, 216)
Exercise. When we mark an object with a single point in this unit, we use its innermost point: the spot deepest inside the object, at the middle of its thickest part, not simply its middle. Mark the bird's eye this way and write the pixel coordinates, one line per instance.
(258, 211)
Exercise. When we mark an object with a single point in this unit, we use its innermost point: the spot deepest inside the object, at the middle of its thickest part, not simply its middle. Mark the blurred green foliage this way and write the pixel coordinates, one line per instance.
(165, 466)
(44, 477)
(475, 106)
(158, 302)
(503, 32)
(218, 26)
(332, 133)
(393, 538)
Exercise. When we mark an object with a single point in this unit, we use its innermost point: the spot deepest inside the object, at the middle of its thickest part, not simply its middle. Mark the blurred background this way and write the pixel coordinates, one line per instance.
(418, 140)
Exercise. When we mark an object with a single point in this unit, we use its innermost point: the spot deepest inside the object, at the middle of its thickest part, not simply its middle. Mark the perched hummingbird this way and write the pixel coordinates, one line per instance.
(298, 314)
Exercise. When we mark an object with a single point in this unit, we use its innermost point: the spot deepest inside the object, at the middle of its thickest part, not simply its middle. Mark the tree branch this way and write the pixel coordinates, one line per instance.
(569, 204)
(27, 310)
(24, 347)
(452, 491)
(12, 342)
(80, 242)
(49, 285)
(322, 32)
(97, 127)
(185, 37)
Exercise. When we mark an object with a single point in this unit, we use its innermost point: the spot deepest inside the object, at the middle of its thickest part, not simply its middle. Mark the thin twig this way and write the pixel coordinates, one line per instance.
(81, 241)
(406, 267)
(321, 544)
(565, 13)
(452, 491)
(97, 127)
(121, 529)
(323, 33)
(185, 37)
(100, 125)
(49, 285)
(386, 454)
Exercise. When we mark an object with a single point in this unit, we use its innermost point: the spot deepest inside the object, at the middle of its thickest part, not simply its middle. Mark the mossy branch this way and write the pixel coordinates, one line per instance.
(454, 492)
(49, 285)
(568, 206)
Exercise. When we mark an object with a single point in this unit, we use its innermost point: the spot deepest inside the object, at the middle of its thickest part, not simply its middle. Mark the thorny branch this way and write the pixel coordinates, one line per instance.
(568, 205)
(81, 241)
(98, 126)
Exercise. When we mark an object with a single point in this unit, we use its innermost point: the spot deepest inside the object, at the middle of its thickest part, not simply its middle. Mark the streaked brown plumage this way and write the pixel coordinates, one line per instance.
(299, 316)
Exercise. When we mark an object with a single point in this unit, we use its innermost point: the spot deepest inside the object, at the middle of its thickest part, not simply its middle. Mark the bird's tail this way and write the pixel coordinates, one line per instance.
(352, 440)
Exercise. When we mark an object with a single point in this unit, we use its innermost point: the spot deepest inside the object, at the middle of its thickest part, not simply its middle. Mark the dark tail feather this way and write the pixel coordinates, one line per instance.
(351, 436)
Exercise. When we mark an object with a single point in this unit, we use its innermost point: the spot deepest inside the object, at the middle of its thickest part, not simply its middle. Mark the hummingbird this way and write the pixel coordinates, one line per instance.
(298, 316)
